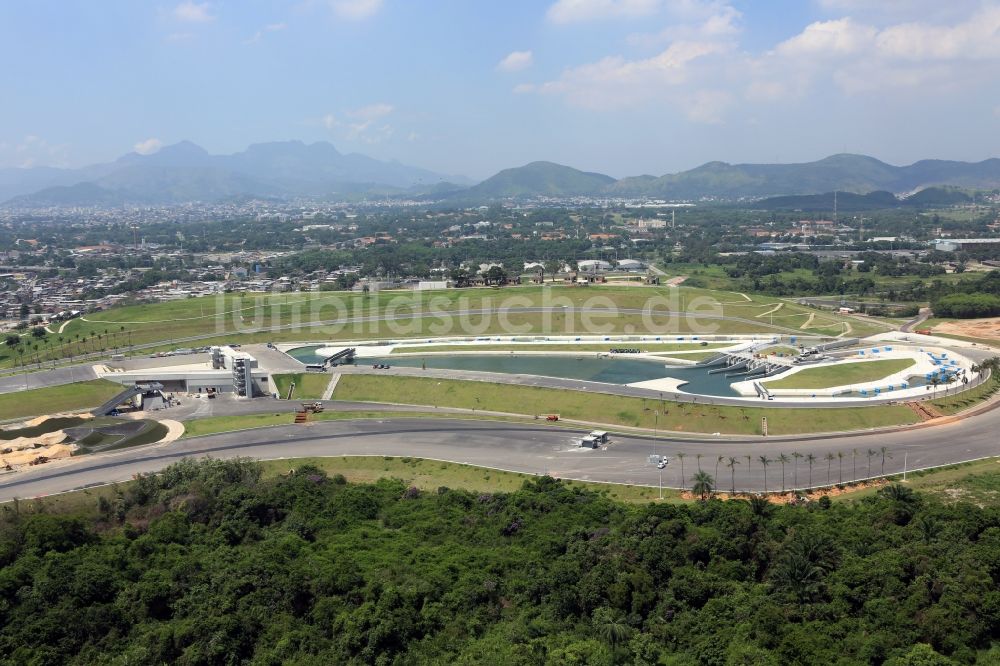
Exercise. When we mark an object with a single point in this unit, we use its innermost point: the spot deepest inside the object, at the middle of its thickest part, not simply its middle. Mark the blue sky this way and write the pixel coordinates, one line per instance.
(469, 86)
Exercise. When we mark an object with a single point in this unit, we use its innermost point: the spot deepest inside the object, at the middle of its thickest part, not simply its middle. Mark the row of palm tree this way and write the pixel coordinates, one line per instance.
(90, 342)
(784, 459)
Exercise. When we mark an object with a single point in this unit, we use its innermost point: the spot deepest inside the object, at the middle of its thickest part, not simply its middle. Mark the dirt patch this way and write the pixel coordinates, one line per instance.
(926, 412)
(793, 498)
(988, 328)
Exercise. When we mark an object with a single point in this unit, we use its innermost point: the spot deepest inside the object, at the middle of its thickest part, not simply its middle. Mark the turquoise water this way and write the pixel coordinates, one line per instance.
(587, 366)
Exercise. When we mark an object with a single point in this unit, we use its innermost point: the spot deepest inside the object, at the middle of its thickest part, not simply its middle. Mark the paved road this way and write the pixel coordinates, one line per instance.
(921, 317)
(56, 377)
(535, 449)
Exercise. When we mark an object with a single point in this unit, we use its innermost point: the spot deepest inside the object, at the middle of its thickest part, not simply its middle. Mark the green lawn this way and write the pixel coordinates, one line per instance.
(588, 347)
(841, 374)
(66, 398)
(962, 401)
(226, 315)
(613, 410)
(307, 384)
(431, 475)
(977, 482)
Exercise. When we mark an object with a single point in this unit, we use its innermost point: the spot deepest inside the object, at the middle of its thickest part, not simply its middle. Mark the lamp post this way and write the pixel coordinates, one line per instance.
(656, 425)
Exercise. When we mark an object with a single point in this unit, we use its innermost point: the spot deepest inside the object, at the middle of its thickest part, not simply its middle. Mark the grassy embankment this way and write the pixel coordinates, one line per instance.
(588, 347)
(424, 474)
(977, 482)
(307, 385)
(215, 424)
(841, 374)
(962, 401)
(230, 313)
(614, 410)
(66, 398)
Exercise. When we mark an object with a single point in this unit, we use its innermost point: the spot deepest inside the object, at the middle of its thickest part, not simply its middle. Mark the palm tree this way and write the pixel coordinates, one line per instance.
(783, 459)
(795, 480)
(765, 461)
(884, 450)
(610, 628)
(854, 464)
(731, 463)
(840, 466)
(810, 458)
(829, 461)
(717, 461)
(928, 528)
(871, 454)
(704, 484)
(680, 456)
(697, 458)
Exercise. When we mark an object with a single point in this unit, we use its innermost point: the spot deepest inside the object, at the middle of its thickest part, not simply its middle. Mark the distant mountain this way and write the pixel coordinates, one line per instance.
(845, 173)
(851, 202)
(538, 179)
(186, 172)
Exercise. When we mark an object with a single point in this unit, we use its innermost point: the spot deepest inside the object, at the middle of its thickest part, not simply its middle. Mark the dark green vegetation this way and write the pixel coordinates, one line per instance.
(211, 563)
(967, 306)
(538, 178)
(847, 201)
(971, 299)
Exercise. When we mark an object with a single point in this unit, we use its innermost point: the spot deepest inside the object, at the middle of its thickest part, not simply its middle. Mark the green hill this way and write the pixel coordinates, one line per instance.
(539, 179)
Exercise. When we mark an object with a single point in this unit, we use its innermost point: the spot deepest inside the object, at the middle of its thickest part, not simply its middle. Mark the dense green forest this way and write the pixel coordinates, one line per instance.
(209, 563)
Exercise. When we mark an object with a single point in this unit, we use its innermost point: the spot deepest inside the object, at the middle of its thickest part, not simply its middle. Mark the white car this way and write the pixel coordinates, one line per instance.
(661, 464)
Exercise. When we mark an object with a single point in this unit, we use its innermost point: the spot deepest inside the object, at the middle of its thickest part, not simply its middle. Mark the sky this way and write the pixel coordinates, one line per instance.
(623, 87)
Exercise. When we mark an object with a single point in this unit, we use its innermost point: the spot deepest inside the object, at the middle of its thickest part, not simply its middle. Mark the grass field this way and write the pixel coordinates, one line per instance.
(977, 482)
(307, 384)
(962, 401)
(427, 475)
(613, 410)
(841, 374)
(66, 398)
(601, 347)
(226, 315)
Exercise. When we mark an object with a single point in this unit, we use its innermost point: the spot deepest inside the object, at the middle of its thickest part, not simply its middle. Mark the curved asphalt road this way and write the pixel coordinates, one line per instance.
(536, 449)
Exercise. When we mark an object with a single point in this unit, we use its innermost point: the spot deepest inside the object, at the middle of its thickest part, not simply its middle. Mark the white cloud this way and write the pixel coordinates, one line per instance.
(148, 147)
(32, 151)
(372, 111)
(707, 106)
(271, 27)
(515, 61)
(571, 11)
(364, 124)
(193, 12)
(704, 22)
(838, 37)
(356, 9)
(976, 38)
(615, 81)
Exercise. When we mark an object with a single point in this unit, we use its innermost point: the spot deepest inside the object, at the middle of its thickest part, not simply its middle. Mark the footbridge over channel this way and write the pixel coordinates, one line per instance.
(750, 363)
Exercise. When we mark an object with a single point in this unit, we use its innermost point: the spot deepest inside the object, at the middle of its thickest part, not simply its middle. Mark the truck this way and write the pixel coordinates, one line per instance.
(314, 407)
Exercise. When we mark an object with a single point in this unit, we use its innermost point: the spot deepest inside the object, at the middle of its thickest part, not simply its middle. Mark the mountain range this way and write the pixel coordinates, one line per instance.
(185, 172)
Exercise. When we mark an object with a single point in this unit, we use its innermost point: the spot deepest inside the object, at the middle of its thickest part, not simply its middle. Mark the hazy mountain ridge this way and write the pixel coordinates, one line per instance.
(186, 172)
